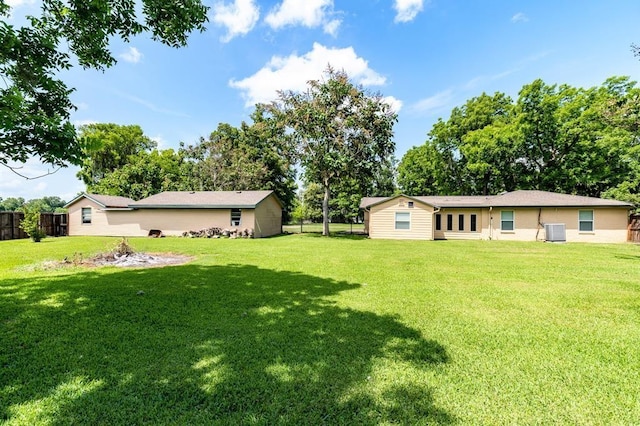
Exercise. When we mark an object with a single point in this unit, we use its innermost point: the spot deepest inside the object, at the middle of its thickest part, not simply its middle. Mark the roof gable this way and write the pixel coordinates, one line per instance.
(367, 202)
(104, 201)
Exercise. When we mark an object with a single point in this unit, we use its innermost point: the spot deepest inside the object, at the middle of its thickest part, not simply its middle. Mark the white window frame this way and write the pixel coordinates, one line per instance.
(238, 220)
(512, 220)
(406, 221)
(83, 215)
(590, 221)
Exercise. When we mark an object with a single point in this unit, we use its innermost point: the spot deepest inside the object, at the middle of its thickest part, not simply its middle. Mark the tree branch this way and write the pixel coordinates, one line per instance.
(13, 169)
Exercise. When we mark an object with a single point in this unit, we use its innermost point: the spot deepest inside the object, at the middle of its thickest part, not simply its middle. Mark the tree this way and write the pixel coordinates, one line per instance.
(420, 171)
(256, 155)
(340, 131)
(568, 144)
(553, 138)
(109, 147)
(35, 104)
(12, 204)
(311, 199)
(145, 174)
(31, 223)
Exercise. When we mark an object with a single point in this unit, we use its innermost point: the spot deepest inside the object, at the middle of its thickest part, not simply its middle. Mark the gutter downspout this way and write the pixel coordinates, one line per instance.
(433, 232)
(490, 223)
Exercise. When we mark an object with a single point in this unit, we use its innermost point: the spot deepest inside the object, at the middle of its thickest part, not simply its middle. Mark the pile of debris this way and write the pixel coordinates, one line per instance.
(219, 232)
(123, 255)
(137, 260)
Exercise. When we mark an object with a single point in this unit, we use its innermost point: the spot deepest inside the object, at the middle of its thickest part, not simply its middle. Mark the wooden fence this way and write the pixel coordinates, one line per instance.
(633, 234)
(53, 225)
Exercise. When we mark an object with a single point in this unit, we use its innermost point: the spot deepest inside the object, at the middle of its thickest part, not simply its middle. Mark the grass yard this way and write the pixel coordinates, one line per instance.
(300, 329)
(342, 228)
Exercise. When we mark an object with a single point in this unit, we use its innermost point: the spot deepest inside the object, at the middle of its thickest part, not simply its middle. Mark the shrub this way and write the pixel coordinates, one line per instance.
(31, 223)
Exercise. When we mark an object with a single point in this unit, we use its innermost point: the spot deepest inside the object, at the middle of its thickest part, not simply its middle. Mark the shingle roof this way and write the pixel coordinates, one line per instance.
(203, 199)
(551, 199)
(522, 198)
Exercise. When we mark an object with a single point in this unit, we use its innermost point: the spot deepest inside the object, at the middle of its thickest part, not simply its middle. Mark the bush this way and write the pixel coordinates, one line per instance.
(31, 223)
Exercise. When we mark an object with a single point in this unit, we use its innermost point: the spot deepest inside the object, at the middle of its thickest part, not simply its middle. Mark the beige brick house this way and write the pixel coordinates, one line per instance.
(175, 212)
(518, 215)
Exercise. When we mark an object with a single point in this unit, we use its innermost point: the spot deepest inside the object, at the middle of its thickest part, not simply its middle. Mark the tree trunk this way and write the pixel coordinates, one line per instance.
(325, 208)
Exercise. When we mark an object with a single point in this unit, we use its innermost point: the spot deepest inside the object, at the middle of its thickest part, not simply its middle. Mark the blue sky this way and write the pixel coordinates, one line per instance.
(425, 56)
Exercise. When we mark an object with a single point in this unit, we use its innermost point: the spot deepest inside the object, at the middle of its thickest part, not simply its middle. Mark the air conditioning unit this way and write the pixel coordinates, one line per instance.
(555, 232)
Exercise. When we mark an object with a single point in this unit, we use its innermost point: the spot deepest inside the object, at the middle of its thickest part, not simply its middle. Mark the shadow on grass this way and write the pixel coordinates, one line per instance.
(201, 345)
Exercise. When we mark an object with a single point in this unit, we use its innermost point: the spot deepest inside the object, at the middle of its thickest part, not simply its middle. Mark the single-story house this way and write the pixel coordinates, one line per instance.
(517, 215)
(175, 212)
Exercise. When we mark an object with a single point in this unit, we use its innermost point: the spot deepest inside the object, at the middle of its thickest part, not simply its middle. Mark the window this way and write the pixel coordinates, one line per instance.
(474, 223)
(507, 222)
(449, 222)
(403, 220)
(438, 222)
(86, 215)
(585, 220)
(236, 215)
(410, 204)
(460, 222)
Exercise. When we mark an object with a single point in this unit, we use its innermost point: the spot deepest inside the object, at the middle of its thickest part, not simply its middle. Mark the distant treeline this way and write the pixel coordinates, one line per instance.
(43, 205)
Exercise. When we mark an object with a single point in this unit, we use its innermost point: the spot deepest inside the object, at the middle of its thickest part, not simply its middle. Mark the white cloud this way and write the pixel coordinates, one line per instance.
(293, 72)
(132, 55)
(407, 10)
(41, 186)
(20, 8)
(44, 179)
(394, 103)
(332, 27)
(519, 17)
(160, 140)
(16, 3)
(308, 13)
(484, 79)
(79, 123)
(150, 105)
(238, 17)
(434, 103)
(11, 184)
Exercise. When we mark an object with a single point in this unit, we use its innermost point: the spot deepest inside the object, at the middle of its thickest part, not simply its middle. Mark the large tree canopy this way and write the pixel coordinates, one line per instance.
(554, 138)
(342, 133)
(257, 155)
(34, 103)
(123, 161)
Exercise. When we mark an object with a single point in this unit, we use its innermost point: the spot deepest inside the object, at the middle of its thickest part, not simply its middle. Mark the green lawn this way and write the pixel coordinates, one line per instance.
(301, 329)
(342, 228)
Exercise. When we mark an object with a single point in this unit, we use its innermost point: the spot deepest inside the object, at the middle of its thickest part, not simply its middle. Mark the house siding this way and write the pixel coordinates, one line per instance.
(382, 219)
(609, 224)
(268, 218)
(466, 234)
(610, 218)
(99, 221)
(172, 222)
